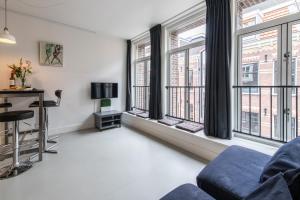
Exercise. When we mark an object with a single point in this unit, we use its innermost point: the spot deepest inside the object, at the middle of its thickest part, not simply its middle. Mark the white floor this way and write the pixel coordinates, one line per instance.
(118, 164)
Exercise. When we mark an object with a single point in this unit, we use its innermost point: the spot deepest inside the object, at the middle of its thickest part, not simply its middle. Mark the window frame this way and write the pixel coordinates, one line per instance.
(136, 61)
(185, 49)
(287, 20)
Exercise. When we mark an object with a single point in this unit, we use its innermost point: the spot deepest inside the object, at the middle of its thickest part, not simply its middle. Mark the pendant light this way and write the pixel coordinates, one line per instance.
(5, 36)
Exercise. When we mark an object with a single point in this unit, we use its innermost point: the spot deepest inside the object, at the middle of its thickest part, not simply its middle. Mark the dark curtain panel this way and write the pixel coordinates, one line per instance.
(128, 76)
(155, 74)
(218, 59)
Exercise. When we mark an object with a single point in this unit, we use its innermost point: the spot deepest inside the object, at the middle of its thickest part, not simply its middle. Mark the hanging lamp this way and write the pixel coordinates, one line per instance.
(5, 36)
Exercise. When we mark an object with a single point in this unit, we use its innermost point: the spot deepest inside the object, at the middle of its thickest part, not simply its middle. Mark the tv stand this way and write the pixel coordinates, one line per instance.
(107, 120)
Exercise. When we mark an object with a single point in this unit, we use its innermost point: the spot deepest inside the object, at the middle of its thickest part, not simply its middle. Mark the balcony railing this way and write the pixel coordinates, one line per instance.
(141, 100)
(269, 112)
(186, 102)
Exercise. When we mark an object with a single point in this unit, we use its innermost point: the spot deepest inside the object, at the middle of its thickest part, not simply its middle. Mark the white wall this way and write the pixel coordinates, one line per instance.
(87, 57)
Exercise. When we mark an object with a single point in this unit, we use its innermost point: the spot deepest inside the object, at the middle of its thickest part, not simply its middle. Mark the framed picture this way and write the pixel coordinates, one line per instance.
(51, 54)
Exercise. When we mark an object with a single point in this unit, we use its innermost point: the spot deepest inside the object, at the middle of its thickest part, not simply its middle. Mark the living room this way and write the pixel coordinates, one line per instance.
(165, 99)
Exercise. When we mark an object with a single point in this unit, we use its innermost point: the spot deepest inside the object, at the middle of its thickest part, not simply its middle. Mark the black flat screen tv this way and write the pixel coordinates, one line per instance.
(104, 90)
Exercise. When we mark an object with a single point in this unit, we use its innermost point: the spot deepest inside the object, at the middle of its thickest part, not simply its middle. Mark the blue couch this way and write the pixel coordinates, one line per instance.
(275, 187)
(239, 173)
(234, 174)
(187, 192)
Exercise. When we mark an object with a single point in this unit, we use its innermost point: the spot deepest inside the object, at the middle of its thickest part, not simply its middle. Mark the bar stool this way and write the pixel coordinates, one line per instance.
(46, 105)
(15, 116)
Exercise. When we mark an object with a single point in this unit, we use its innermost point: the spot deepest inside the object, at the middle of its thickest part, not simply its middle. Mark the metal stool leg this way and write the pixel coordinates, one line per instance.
(16, 163)
(46, 139)
(50, 139)
(16, 167)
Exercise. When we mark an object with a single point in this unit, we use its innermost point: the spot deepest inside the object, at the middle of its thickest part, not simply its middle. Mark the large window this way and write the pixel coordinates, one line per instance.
(186, 70)
(267, 70)
(142, 75)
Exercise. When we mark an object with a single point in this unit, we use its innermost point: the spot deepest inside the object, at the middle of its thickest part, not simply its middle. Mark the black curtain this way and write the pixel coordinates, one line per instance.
(218, 59)
(128, 76)
(155, 106)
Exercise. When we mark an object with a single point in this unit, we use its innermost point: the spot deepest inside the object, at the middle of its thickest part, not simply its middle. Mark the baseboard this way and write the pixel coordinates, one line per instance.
(70, 128)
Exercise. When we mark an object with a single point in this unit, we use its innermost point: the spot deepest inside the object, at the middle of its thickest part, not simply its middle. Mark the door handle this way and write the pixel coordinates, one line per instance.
(287, 54)
(287, 112)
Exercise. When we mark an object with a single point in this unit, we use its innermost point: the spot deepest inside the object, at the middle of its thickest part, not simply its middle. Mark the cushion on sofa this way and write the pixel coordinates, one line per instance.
(274, 188)
(234, 174)
(187, 192)
(286, 158)
(292, 178)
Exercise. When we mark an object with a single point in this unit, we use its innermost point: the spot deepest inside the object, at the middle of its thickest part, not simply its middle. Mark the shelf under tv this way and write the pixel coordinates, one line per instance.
(107, 120)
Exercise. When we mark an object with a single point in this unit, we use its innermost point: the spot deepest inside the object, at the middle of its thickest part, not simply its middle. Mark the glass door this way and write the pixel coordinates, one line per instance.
(177, 82)
(142, 83)
(196, 83)
(258, 75)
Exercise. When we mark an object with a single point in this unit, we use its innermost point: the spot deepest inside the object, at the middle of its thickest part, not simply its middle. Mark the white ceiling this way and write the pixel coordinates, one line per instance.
(121, 18)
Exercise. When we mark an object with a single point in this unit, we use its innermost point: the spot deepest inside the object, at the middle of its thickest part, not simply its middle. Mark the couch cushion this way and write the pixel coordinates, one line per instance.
(274, 188)
(286, 158)
(187, 192)
(292, 178)
(234, 174)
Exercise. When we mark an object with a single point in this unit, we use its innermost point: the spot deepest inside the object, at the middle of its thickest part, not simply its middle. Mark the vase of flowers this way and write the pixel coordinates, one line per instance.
(21, 70)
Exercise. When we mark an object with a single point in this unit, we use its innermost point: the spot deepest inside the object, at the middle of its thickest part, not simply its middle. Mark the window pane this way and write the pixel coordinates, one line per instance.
(177, 69)
(177, 95)
(140, 74)
(197, 66)
(196, 79)
(188, 34)
(148, 73)
(259, 58)
(254, 122)
(143, 50)
(250, 76)
(252, 12)
(259, 53)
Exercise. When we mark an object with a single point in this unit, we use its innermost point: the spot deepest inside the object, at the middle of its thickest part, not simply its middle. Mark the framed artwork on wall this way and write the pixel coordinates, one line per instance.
(51, 54)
